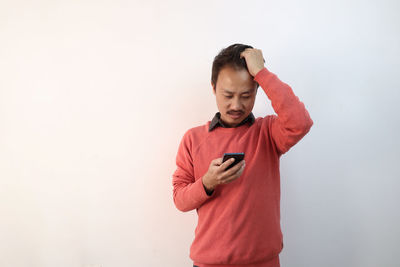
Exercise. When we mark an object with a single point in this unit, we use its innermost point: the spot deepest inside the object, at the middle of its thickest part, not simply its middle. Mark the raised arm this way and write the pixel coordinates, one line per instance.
(293, 121)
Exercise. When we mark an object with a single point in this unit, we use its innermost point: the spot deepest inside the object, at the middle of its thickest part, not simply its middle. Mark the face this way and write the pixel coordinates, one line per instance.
(235, 93)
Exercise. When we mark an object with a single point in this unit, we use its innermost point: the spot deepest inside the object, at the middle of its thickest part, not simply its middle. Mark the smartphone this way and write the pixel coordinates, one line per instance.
(237, 156)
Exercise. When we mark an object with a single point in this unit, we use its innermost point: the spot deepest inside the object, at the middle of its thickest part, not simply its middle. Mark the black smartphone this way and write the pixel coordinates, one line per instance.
(237, 156)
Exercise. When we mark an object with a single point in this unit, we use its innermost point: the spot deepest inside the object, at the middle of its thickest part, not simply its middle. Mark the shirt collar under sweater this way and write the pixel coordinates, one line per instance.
(216, 121)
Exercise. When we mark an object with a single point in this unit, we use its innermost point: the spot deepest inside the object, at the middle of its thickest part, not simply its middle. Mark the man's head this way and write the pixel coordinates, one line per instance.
(233, 86)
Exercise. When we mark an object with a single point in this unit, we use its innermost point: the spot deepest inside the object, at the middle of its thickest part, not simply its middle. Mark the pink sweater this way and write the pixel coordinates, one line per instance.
(240, 222)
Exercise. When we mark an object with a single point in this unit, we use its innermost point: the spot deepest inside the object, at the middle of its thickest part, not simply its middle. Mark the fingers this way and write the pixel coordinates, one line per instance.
(244, 52)
(233, 172)
(226, 163)
(235, 176)
(247, 51)
(235, 168)
(216, 162)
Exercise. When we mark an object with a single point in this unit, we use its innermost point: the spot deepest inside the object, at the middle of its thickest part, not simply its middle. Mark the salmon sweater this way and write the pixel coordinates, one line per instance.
(239, 223)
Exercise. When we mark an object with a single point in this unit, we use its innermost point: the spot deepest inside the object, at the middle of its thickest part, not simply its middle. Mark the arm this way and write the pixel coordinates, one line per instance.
(188, 193)
(293, 121)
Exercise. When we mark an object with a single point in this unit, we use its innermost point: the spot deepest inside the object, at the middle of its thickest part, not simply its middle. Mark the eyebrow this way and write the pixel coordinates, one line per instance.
(247, 92)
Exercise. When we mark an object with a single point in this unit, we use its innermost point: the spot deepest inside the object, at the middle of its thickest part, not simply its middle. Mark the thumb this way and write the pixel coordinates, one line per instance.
(218, 161)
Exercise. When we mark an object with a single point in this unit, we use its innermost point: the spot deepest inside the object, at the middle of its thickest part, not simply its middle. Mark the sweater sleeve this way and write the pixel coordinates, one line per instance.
(188, 193)
(292, 122)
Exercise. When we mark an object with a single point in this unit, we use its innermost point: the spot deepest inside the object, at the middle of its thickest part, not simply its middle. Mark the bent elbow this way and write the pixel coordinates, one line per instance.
(304, 125)
(307, 126)
(181, 206)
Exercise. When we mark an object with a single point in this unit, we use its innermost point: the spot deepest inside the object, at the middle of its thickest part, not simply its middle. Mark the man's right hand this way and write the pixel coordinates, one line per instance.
(217, 173)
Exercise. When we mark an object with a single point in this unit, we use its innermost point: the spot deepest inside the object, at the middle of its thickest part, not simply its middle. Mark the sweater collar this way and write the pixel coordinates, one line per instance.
(217, 122)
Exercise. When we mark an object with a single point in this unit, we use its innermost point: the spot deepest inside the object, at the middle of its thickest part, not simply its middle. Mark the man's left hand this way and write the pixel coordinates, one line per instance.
(254, 60)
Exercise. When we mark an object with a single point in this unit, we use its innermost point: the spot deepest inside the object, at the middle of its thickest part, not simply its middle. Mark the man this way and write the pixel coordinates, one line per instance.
(238, 208)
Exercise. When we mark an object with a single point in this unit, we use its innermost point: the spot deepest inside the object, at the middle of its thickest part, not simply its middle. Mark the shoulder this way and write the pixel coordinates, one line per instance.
(265, 120)
(195, 136)
(196, 133)
(265, 124)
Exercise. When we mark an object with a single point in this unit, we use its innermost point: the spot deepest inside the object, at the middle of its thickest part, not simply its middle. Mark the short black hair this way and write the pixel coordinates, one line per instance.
(229, 56)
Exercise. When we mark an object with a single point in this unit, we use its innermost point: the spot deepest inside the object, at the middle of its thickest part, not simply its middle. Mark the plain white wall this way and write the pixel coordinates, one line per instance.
(96, 95)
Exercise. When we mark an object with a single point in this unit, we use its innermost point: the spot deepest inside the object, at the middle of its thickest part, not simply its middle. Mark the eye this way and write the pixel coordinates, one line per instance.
(228, 96)
(246, 97)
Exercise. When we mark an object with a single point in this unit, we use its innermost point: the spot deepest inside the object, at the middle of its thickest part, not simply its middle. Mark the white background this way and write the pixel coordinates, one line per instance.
(96, 95)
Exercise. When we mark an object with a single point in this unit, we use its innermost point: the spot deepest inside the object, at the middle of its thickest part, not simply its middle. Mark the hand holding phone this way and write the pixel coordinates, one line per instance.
(219, 173)
(237, 156)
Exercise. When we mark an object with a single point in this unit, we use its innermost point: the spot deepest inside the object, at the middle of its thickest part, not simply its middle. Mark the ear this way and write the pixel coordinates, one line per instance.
(213, 88)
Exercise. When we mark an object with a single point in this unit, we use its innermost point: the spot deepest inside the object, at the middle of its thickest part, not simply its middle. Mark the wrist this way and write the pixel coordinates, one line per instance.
(206, 185)
(258, 71)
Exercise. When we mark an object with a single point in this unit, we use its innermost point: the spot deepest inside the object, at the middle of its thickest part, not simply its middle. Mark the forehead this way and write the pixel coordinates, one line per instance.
(235, 81)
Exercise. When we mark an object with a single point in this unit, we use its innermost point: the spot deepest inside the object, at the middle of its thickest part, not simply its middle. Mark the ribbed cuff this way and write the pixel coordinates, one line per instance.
(201, 194)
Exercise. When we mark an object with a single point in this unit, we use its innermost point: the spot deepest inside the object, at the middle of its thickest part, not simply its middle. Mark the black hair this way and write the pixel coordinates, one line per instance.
(229, 56)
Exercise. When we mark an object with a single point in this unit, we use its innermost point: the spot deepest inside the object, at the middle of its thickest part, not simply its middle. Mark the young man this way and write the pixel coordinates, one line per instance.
(238, 208)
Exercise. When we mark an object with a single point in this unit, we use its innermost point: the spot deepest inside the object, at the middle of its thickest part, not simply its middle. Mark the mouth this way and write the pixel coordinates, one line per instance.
(235, 116)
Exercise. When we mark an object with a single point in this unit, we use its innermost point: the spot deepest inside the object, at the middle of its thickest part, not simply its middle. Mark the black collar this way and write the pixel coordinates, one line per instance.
(216, 121)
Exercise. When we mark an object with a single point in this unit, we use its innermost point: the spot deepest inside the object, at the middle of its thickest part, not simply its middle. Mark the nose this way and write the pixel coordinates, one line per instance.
(235, 105)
